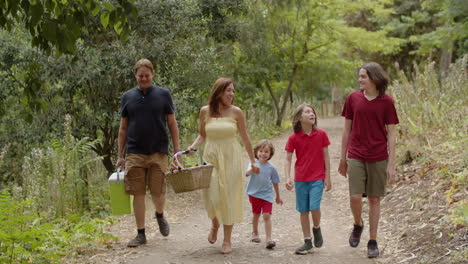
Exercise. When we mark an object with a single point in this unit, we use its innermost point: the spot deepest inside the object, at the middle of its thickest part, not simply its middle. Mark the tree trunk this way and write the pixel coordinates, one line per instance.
(445, 60)
(274, 99)
(85, 205)
(279, 119)
(107, 161)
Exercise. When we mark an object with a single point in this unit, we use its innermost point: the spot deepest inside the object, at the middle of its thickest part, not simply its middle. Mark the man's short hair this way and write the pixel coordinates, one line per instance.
(143, 63)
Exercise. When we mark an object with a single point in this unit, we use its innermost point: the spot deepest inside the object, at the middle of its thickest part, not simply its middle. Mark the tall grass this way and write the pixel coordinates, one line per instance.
(49, 217)
(63, 178)
(431, 109)
(433, 128)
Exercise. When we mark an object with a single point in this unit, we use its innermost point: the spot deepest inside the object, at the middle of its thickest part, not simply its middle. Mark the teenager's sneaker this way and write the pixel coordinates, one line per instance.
(306, 248)
(355, 236)
(318, 239)
(140, 239)
(372, 249)
(163, 225)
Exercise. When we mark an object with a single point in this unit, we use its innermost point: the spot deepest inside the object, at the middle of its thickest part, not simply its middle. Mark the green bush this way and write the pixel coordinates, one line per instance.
(63, 178)
(24, 238)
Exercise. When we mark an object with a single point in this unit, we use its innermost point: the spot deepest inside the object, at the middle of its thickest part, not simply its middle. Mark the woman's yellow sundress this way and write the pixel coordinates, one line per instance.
(224, 197)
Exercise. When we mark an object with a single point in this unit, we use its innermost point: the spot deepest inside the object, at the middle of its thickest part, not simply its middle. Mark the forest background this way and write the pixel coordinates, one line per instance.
(65, 64)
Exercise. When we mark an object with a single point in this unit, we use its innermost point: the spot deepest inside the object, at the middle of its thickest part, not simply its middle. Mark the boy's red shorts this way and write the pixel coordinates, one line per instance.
(260, 206)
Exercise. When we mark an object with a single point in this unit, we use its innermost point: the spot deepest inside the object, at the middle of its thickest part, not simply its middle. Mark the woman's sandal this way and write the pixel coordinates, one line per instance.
(270, 244)
(255, 238)
(226, 248)
(213, 235)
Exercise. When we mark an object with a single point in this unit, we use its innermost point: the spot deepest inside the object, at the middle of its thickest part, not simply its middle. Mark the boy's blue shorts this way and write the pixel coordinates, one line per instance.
(308, 195)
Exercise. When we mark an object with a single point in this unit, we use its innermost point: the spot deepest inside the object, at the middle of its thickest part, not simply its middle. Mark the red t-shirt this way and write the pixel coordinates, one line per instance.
(310, 162)
(368, 138)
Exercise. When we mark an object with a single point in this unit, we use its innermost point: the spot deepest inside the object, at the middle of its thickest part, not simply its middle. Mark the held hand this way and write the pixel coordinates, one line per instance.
(249, 172)
(120, 163)
(328, 185)
(343, 167)
(255, 169)
(391, 174)
(190, 150)
(289, 185)
(279, 201)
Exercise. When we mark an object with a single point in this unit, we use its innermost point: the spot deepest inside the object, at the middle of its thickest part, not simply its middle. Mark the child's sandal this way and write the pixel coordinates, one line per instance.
(255, 238)
(226, 248)
(213, 235)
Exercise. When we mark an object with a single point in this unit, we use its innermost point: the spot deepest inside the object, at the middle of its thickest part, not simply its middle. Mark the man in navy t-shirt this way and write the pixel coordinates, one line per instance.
(145, 110)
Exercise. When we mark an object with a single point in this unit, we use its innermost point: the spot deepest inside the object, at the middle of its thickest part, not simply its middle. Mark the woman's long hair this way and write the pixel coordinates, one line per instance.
(217, 91)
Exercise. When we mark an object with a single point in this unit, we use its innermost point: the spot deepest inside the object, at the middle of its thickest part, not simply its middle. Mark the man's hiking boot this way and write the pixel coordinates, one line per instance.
(372, 249)
(140, 239)
(355, 236)
(306, 248)
(163, 225)
(318, 239)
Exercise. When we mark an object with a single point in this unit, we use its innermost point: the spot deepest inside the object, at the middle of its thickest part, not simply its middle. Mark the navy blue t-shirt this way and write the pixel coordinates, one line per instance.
(147, 119)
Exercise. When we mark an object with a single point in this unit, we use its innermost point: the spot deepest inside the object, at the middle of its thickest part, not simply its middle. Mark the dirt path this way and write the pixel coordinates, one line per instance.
(187, 242)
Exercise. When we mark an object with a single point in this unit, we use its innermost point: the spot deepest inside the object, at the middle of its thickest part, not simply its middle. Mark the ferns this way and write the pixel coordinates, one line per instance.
(56, 177)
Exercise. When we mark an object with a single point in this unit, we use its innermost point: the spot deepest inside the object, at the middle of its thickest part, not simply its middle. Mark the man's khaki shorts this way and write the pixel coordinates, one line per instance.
(145, 170)
(367, 178)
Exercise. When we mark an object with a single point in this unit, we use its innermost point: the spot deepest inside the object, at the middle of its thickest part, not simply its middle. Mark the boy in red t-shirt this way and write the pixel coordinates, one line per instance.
(368, 149)
(311, 171)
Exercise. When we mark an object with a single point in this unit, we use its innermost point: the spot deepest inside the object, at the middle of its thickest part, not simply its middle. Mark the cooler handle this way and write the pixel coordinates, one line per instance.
(119, 170)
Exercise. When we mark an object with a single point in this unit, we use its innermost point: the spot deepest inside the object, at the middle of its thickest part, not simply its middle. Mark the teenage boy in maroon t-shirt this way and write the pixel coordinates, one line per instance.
(368, 149)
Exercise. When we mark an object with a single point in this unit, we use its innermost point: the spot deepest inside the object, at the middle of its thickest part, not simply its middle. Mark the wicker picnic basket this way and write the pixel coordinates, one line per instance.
(190, 178)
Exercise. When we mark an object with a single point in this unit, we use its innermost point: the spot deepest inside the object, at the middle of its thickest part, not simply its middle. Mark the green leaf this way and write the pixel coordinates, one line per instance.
(36, 14)
(109, 6)
(49, 29)
(118, 27)
(105, 19)
(95, 10)
(50, 6)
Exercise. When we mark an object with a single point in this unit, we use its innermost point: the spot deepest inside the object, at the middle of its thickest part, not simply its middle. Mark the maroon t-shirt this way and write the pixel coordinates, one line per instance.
(310, 161)
(368, 138)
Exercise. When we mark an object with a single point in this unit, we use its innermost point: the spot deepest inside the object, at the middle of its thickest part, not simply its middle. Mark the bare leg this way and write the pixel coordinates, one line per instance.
(215, 223)
(139, 210)
(374, 215)
(305, 224)
(213, 235)
(267, 220)
(158, 202)
(227, 239)
(255, 219)
(356, 208)
(316, 217)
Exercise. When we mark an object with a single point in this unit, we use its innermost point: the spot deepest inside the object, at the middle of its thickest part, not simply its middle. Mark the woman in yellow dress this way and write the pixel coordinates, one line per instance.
(218, 125)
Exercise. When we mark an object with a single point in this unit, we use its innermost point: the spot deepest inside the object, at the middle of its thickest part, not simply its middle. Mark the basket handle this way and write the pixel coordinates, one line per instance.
(179, 166)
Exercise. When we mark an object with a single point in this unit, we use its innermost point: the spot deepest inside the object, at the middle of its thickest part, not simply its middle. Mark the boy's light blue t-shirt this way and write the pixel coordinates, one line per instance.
(261, 185)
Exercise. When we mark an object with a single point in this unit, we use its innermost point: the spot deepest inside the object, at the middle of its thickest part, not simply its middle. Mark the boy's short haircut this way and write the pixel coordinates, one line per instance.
(262, 144)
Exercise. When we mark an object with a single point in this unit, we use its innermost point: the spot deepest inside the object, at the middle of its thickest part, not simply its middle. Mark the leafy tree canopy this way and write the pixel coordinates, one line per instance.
(59, 23)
